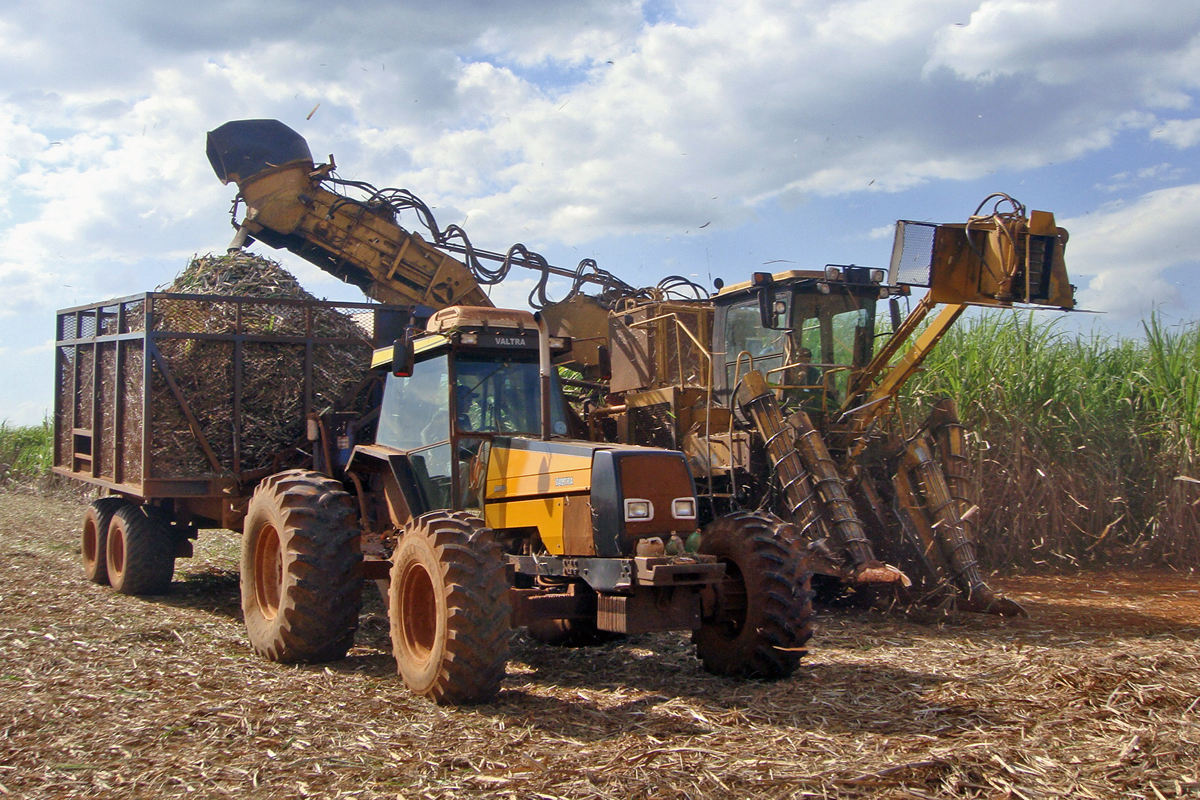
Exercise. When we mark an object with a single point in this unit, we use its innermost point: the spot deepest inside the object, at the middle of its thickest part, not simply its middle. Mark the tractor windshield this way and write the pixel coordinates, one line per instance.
(503, 396)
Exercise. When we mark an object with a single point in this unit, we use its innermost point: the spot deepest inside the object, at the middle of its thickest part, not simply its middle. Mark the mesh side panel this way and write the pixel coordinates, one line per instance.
(102, 434)
(278, 320)
(83, 388)
(272, 401)
(108, 321)
(87, 323)
(135, 316)
(131, 423)
(66, 396)
(364, 321)
(653, 425)
(203, 371)
(66, 326)
(912, 254)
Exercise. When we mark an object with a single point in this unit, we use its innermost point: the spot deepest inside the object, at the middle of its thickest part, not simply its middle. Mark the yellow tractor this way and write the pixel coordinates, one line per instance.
(480, 514)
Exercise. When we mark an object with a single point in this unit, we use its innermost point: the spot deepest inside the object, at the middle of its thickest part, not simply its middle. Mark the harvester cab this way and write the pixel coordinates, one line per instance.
(807, 331)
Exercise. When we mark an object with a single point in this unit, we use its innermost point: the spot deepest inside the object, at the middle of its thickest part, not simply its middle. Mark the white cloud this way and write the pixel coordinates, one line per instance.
(1126, 248)
(1181, 133)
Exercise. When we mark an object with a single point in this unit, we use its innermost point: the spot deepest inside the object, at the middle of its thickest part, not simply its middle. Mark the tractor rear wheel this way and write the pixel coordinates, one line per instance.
(96, 520)
(139, 552)
(449, 609)
(301, 569)
(763, 614)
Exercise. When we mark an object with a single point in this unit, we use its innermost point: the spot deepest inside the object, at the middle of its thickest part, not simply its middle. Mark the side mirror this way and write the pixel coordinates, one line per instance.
(403, 358)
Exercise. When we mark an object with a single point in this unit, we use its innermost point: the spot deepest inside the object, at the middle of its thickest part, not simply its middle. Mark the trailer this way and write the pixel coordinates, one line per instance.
(178, 405)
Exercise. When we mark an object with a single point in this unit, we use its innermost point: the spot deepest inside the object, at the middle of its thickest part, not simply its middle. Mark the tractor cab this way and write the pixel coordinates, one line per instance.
(475, 375)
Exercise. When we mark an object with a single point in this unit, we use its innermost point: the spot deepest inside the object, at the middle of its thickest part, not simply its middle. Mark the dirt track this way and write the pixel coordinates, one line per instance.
(1097, 694)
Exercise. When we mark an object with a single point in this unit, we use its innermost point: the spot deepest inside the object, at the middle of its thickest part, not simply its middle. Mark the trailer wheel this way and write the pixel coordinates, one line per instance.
(301, 569)
(96, 520)
(139, 552)
(449, 608)
(763, 614)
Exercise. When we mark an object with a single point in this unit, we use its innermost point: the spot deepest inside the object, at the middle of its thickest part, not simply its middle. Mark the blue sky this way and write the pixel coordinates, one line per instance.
(792, 131)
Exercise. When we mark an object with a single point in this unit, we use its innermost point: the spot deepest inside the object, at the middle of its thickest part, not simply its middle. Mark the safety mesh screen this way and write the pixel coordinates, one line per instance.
(912, 253)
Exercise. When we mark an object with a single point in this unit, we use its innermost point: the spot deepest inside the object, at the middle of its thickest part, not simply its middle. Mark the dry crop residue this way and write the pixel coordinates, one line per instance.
(101, 695)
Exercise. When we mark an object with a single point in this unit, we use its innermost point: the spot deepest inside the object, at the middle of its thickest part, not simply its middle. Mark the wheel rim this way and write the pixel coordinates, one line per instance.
(90, 543)
(116, 549)
(418, 613)
(268, 571)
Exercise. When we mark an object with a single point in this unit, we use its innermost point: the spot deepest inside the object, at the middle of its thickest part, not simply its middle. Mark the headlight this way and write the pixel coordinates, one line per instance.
(833, 274)
(638, 510)
(468, 338)
(683, 508)
(877, 276)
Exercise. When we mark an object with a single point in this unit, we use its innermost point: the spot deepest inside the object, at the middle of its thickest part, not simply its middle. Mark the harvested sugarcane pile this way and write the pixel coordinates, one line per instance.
(266, 427)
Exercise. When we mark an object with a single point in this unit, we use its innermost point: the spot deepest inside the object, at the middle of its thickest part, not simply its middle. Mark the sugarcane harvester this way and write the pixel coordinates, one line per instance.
(776, 392)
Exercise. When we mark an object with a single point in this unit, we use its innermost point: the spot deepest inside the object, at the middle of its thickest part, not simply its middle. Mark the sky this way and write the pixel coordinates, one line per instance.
(705, 138)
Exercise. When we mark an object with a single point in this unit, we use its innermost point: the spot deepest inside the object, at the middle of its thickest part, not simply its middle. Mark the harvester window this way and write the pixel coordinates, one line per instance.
(836, 329)
(744, 333)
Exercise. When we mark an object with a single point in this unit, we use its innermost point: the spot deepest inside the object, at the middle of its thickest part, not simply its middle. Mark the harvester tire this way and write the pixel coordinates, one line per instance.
(96, 520)
(449, 608)
(139, 552)
(763, 614)
(301, 569)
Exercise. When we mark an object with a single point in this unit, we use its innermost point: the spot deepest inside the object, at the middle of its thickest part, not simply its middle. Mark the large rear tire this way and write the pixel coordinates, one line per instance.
(301, 569)
(449, 609)
(96, 520)
(763, 614)
(139, 552)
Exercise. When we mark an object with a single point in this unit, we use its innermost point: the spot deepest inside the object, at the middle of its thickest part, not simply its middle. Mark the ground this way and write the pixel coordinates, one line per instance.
(1096, 694)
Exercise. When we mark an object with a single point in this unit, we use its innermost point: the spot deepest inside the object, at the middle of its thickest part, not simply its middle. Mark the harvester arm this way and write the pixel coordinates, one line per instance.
(293, 204)
(288, 206)
(993, 260)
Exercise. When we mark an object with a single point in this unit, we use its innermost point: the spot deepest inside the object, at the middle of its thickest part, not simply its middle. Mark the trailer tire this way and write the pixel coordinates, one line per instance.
(763, 614)
(96, 520)
(301, 569)
(449, 609)
(139, 552)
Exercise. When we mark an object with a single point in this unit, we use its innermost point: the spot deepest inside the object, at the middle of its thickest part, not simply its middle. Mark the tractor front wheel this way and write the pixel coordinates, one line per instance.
(449, 609)
(301, 569)
(763, 614)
